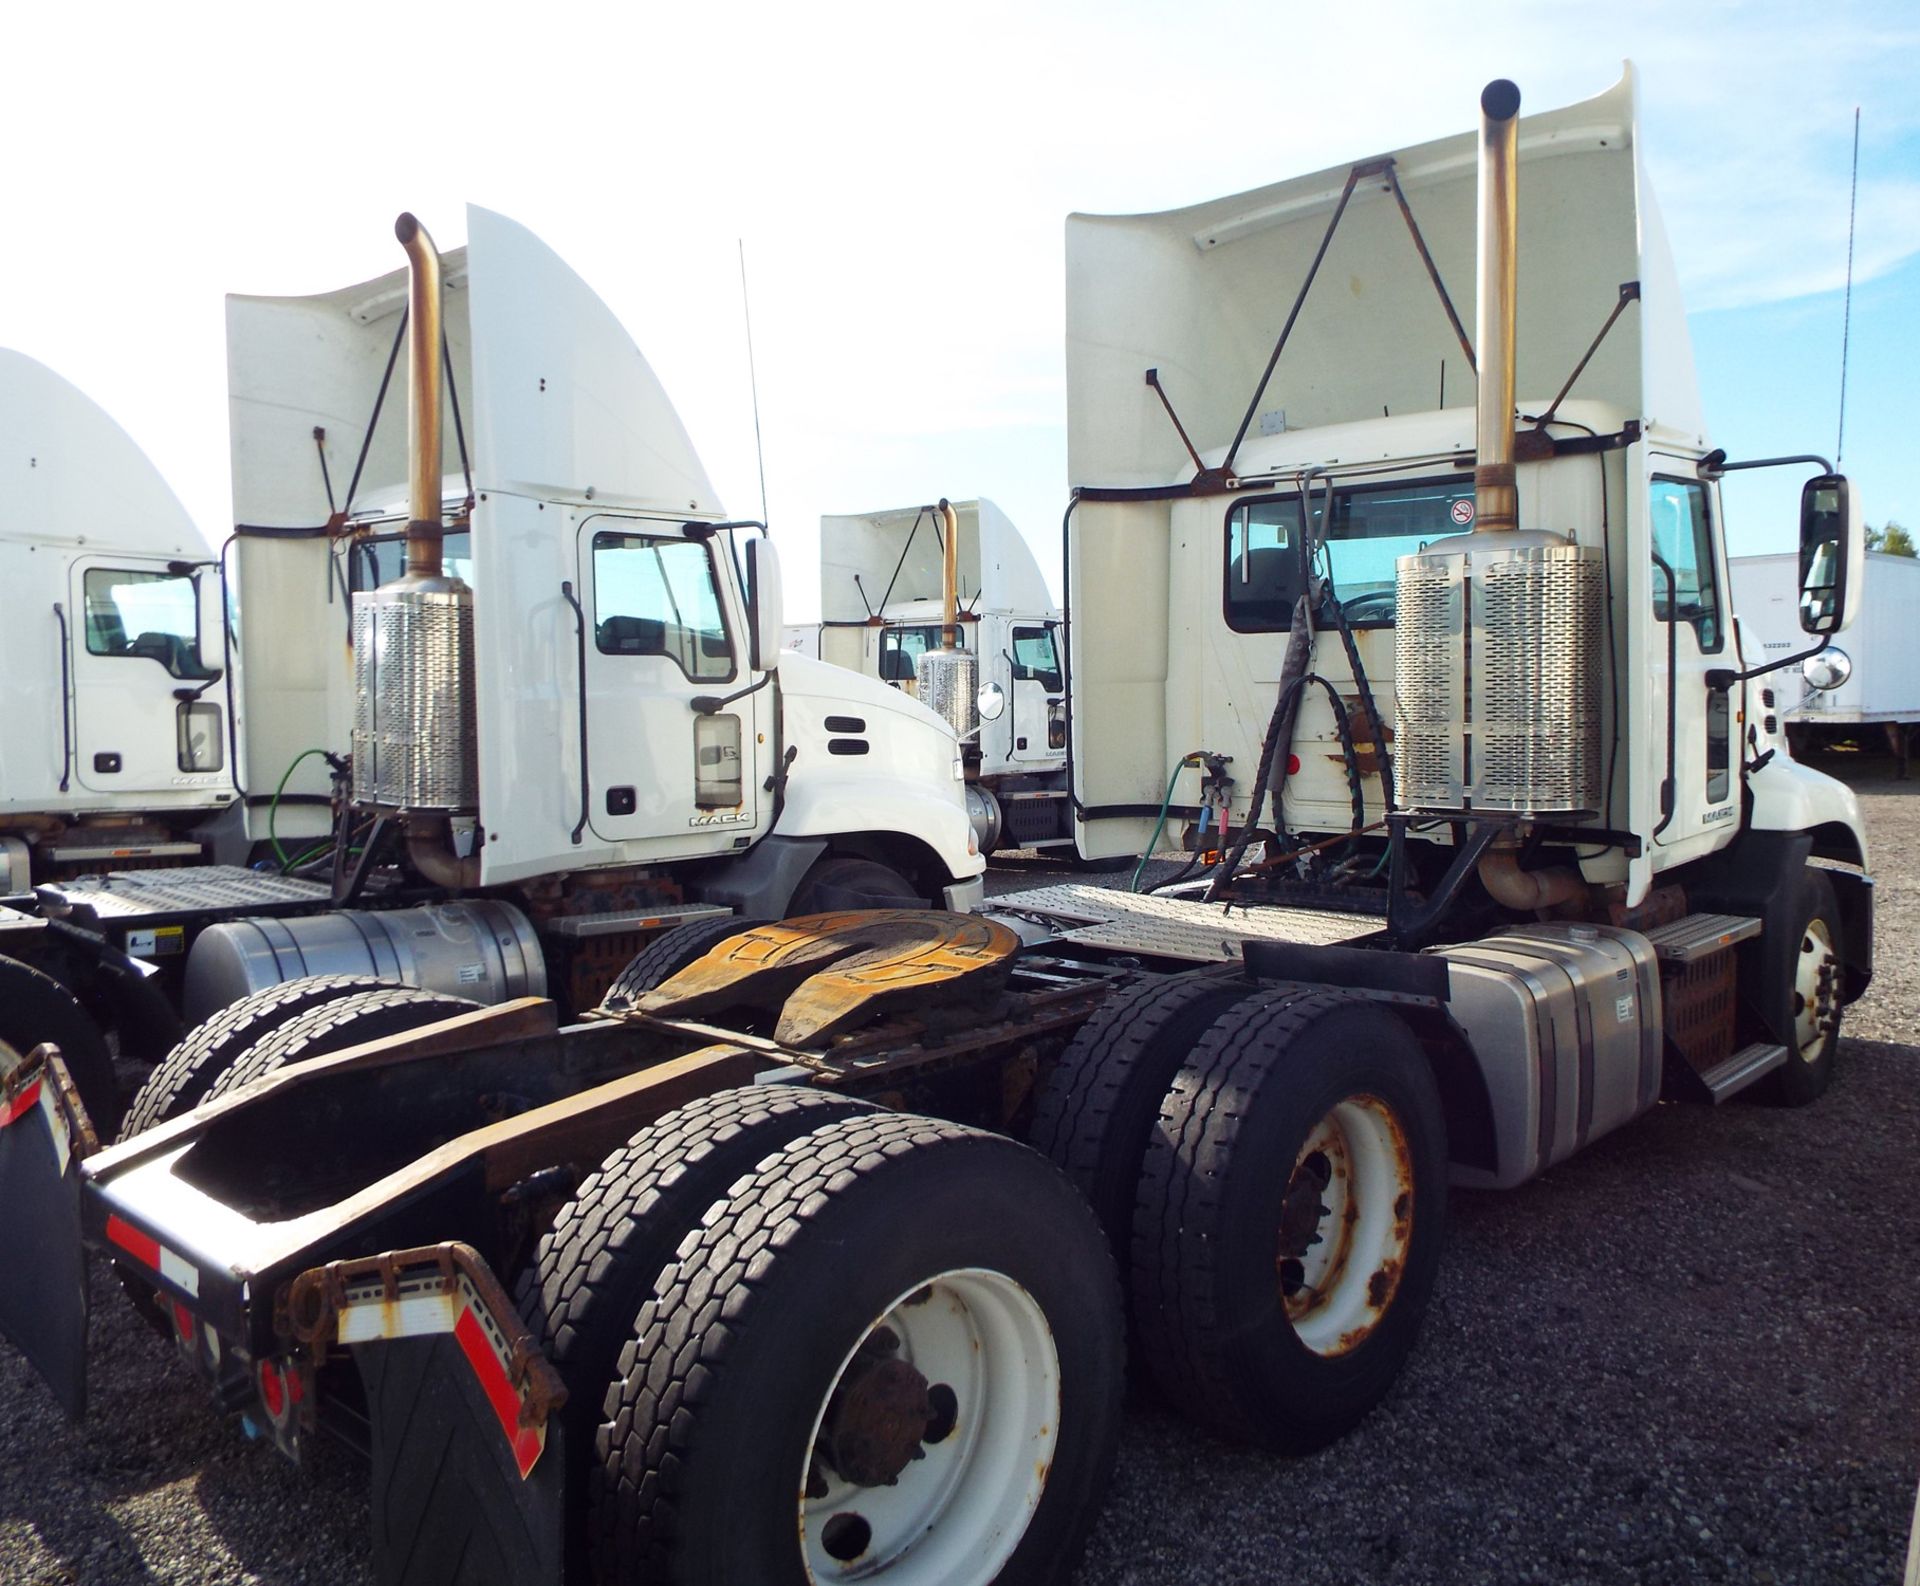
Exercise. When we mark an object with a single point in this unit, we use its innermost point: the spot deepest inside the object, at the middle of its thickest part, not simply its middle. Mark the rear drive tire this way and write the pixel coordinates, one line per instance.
(34, 1007)
(190, 1070)
(1292, 1206)
(597, 1265)
(894, 1349)
(334, 1026)
(1806, 1004)
(660, 960)
(836, 884)
(1100, 1100)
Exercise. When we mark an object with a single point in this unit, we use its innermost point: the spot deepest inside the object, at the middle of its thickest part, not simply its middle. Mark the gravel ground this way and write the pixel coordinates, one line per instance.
(1691, 1353)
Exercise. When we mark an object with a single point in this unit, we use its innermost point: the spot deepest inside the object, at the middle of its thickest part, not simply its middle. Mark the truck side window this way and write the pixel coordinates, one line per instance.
(902, 647)
(1035, 660)
(659, 596)
(1683, 539)
(1373, 527)
(151, 616)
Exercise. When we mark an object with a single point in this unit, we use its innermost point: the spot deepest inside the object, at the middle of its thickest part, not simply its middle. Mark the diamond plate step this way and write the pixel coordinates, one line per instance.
(1743, 1068)
(1687, 940)
(1184, 928)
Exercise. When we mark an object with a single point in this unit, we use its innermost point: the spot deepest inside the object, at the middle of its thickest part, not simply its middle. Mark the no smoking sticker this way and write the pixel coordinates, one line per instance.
(1462, 511)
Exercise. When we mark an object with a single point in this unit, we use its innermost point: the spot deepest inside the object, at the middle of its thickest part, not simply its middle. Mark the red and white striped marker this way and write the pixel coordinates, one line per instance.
(423, 1306)
(154, 1256)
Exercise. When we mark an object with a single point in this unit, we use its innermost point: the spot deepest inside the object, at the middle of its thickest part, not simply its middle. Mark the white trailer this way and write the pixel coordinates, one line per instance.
(1881, 694)
(882, 578)
(111, 650)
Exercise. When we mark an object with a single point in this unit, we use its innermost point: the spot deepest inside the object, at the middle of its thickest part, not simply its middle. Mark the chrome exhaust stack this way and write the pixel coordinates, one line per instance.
(1499, 633)
(948, 679)
(415, 745)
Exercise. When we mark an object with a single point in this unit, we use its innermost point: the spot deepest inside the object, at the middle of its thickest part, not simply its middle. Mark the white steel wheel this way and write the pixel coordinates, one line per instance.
(1345, 1225)
(1816, 990)
(931, 1450)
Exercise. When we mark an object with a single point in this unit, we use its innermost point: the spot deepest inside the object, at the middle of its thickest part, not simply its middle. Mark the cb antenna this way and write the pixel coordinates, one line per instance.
(1846, 318)
(753, 383)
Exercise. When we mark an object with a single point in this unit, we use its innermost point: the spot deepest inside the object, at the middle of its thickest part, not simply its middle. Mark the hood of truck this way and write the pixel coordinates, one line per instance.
(1201, 293)
(555, 398)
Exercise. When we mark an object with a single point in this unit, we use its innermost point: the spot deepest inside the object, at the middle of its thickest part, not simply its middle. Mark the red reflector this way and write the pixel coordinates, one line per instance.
(21, 1104)
(136, 1244)
(183, 1322)
(1293, 765)
(273, 1392)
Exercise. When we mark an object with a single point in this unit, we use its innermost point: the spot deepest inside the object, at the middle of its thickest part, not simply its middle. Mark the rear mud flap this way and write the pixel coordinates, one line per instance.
(44, 1135)
(450, 1507)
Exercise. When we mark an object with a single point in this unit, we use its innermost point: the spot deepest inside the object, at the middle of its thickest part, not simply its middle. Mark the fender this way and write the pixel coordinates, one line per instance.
(1790, 797)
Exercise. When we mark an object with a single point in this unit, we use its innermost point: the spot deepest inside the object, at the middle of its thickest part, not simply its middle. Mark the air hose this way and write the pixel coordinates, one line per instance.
(1193, 758)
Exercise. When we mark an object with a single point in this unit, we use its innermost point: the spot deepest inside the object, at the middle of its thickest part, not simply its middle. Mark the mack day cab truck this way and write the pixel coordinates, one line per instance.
(494, 752)
(740, 1278)
(957, 576)
(114, 752)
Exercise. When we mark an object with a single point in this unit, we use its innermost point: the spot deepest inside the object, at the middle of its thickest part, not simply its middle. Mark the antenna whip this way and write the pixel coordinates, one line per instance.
(1846, 321)
(753, 383)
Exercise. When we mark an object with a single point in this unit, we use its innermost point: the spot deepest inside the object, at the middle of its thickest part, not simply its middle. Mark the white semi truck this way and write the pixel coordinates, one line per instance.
(1875, 693)
(115, 748)
(741, 1278)
(505, 685)
(883, 594)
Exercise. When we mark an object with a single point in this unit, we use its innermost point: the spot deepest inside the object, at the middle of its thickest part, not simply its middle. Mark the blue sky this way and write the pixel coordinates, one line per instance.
(900, 175)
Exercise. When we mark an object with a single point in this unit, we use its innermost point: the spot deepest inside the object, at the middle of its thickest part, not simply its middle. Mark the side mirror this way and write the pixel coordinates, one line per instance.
(992, 701)
(209, 593)
(763, 604)
(1828, 670)
(1833, 546)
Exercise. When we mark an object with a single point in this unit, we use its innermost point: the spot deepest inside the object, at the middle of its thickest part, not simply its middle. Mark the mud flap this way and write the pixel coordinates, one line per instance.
(44, 1134)
(450, 1507)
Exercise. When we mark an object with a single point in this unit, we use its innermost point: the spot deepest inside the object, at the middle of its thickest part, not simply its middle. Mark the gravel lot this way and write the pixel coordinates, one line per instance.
(1692, 1353)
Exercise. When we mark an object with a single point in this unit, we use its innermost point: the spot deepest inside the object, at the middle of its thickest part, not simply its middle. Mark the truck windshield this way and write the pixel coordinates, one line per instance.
(1373, 526)
(380, 559)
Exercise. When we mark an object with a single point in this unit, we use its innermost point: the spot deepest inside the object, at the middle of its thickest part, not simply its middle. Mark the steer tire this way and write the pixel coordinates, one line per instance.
(663, 958)
(1808, 1070)
(838, 883)
(185, 1075)
(334, 1026)
(708, 1457)
(597, 1265)
(1210, 1252)
(34, 1007)
(1098, 1103)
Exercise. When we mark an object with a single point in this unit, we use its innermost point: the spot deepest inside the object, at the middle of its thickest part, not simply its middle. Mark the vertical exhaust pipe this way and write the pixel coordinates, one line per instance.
(1496, 501)
(950, 578)
(426, 525)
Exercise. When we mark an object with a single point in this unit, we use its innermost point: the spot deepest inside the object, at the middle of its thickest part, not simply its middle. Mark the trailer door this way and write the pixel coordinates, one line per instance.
(146, 718)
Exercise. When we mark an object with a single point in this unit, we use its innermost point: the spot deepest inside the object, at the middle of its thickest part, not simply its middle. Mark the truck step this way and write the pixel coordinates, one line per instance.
(1696, 936)
(580, 927)
(1742, 1069)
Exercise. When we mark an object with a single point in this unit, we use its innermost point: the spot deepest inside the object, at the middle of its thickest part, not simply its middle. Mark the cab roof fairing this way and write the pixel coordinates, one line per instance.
(1201, 293)
(555, 397)
(996, 562)
(72, 473)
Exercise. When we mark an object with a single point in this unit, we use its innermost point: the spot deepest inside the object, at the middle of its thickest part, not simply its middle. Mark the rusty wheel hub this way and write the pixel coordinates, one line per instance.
(879, 1416)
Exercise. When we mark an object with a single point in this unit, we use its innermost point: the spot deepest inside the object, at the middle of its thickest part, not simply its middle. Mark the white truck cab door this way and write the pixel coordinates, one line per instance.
(664, 627)
(148, 712)
(1683, 525)
(1039, 683)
